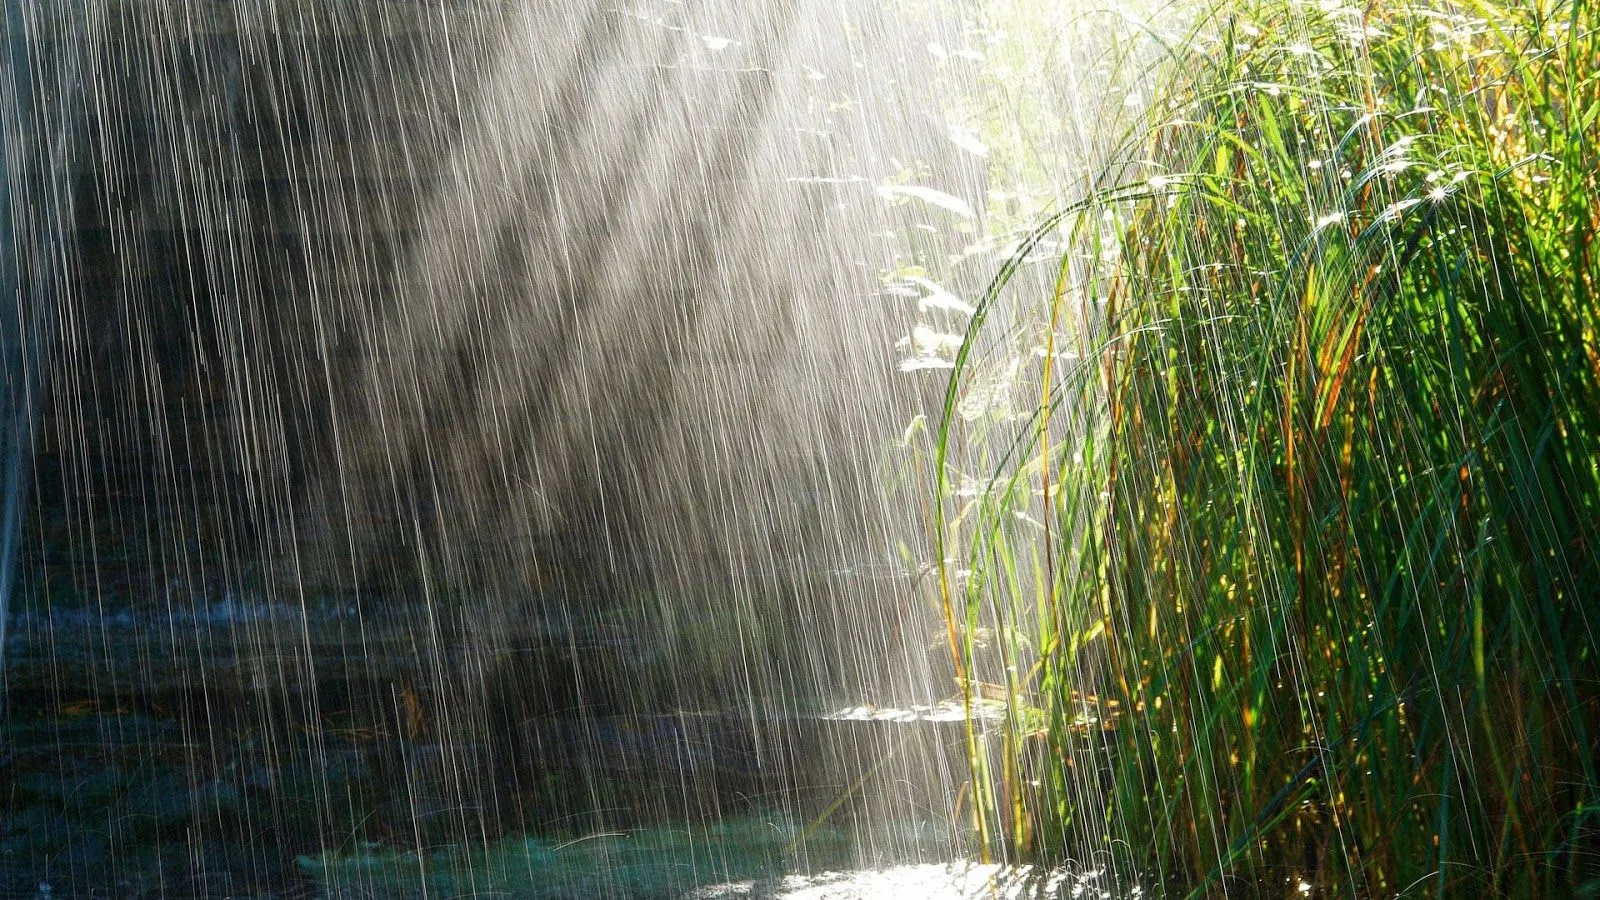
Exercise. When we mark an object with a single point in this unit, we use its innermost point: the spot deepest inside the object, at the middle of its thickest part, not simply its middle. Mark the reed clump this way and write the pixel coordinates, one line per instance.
(1300, 537)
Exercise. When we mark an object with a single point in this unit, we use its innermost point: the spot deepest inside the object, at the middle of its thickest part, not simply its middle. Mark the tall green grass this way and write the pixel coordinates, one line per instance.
(1293, 559)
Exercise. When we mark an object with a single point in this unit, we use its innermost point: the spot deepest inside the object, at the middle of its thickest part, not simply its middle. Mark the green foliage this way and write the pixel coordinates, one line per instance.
(1312, 471)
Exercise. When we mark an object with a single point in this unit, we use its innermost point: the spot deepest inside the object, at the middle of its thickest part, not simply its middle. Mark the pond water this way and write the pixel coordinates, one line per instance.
(147, 755)
(107, 804)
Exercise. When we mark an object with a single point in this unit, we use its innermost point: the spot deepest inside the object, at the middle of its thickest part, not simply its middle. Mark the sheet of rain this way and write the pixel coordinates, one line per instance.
(479, 447)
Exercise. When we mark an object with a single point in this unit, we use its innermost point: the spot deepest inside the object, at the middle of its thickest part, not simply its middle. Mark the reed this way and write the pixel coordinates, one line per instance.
(1293, 559)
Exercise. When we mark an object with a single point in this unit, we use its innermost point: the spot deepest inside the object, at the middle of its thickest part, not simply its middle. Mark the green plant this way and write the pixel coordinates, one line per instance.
(1304, 520)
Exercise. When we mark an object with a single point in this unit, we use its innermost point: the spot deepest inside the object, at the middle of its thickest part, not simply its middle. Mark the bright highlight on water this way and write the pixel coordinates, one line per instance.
(935, 448)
